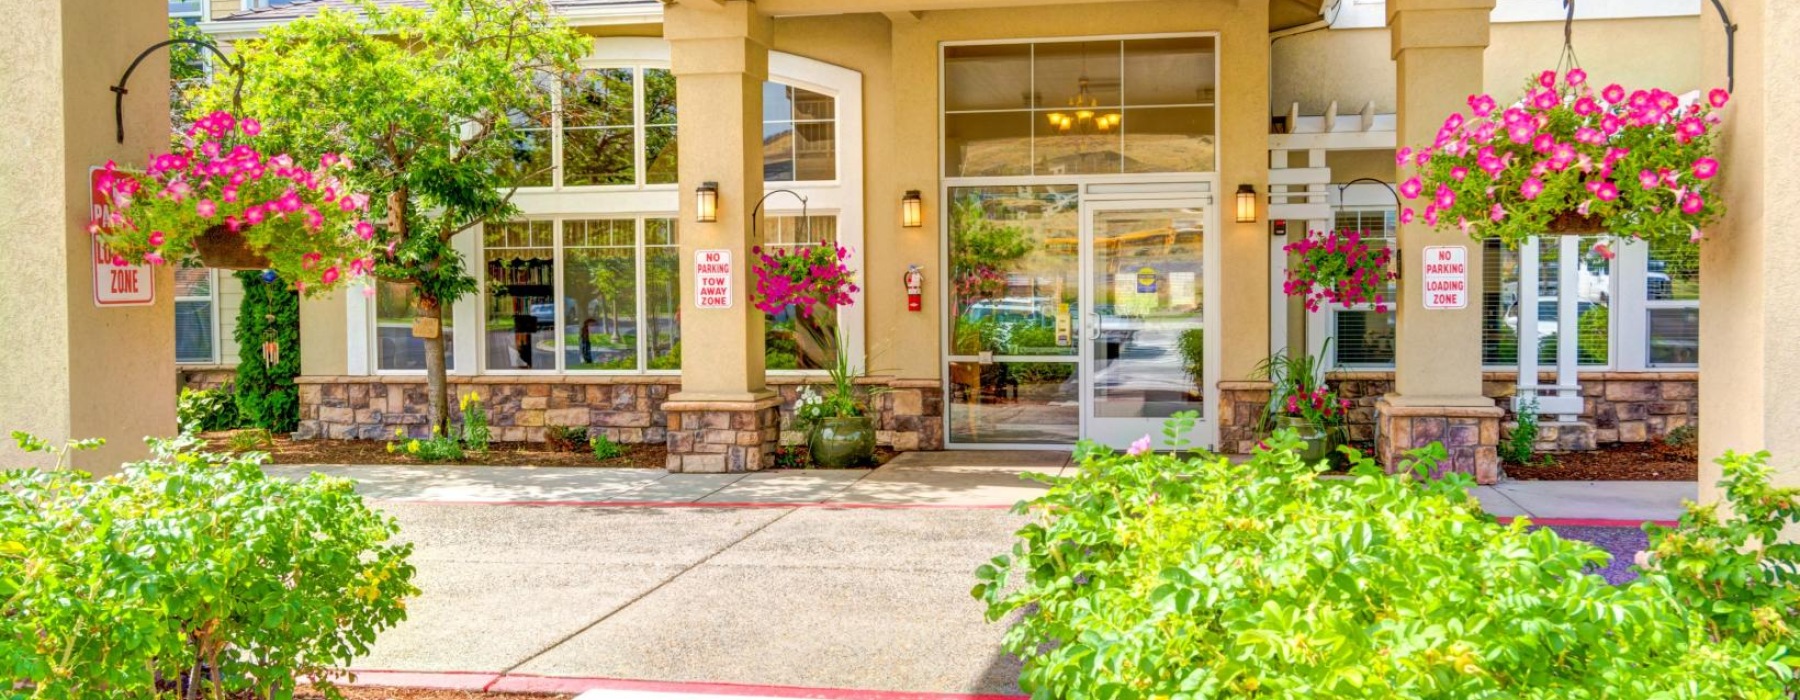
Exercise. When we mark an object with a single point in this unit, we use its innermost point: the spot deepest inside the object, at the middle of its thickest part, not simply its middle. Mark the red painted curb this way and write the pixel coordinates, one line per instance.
(553, 684)
(1591, 522)
(440, 680)
(694, 504)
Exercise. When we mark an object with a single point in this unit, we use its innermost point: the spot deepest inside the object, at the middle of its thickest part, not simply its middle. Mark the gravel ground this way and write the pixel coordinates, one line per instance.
(1623, 542)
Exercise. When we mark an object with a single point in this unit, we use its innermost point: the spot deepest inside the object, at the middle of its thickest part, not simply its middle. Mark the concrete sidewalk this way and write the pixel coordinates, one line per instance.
(955, 479)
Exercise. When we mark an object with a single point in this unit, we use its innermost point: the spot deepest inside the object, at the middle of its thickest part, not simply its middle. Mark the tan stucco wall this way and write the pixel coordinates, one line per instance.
(230, 300)
(73, 369)
(323, 324)
(901, 150)
(1354, 66)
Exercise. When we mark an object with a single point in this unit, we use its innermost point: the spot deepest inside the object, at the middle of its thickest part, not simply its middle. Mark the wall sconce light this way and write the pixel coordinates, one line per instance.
(1246, 204)
(706, 203)
(912, 210)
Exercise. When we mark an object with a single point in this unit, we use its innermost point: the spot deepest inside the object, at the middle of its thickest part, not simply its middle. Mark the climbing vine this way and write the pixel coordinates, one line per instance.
(268, 337)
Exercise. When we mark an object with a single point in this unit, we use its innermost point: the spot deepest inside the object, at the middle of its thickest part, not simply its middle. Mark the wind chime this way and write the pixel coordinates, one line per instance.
(271, 346)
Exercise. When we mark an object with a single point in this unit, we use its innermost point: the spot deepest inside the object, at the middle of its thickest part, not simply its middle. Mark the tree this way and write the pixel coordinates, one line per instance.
(439, 107)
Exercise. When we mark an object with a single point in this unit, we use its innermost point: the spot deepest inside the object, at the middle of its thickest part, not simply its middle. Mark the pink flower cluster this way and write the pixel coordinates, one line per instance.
(979, 282)
(1639, 160)
(1321, 405)
(304, 218)
(803, 277)
(1339, 267)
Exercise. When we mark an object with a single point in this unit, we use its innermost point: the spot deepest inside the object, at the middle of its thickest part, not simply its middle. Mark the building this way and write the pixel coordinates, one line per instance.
(1112, 138)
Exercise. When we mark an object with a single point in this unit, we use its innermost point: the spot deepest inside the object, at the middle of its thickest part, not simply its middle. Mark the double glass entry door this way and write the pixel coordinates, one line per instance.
(1072, 319)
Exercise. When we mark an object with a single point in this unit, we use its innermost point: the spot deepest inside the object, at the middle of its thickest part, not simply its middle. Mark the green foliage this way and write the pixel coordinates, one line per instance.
(1686, 437)
(1156, 576)
(672, 360)
(793, 457)
(1299, 389)
(476, 435)
(981, 250)
(1520, 446)
(1594, 327)
(251, 439)
(564, 438)
(266, 395)
(604, 448)
(437, 448)
(190, 566)
(206, 410)
(1192, 346)
(840, 399)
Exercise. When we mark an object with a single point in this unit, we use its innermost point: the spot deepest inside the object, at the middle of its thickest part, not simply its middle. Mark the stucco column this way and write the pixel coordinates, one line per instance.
(1750, 260)
(720, 420)
(69, 368)
(1437, 49)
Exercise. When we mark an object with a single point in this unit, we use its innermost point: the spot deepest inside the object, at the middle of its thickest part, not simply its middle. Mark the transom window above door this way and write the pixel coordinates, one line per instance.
(1080, 107)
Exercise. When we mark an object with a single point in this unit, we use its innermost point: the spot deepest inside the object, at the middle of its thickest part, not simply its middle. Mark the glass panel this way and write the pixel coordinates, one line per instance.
(1076, 74)
(1149, 277)
(600, 97)
(1593, 320)
(812, 106)
(1014, 263)
(598, 156)
(1075, 145)
(987, 145)
(778, 152)
(1169, 140)
(1016, 402)
(1499, 300)
(1674, 272)
(193, 282)
(659, 96)
(794, 341)
(395, 346)
(996, 76)
(1364, 338)
(661, 155)
(529, 162)
(662, 290)
(815, 151)
(599, 294)
(521, 308)
(778, 102)
(1673, 337)
(1169, 71)
(194, 331)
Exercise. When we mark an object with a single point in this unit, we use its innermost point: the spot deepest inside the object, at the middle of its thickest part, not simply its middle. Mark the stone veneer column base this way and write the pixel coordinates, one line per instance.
(711, 437)
(1241, 408)
(1470, 434)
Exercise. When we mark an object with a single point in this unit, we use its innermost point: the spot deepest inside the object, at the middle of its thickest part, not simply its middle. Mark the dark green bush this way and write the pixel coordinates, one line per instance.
(266, 395)
(1159, 577)
(189, 568)
(205, 410)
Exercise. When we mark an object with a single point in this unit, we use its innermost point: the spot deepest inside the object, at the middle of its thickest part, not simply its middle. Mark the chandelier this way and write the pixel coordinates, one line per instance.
(1085, 118)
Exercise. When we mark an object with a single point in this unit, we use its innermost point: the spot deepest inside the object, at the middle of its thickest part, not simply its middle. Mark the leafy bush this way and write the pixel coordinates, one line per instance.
(437, 448)
(251, 439)
(205, 410)
(604, 448)
(268, 328)
(792, 457)
(1192, 345)
(476, 435)
(1521, 444)
(188, 569)
(564, 438)
(1153, 576)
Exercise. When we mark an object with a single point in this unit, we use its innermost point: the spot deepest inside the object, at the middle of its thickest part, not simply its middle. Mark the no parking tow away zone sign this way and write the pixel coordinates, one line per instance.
(712, 279)
(1446, 277)
(128, 285)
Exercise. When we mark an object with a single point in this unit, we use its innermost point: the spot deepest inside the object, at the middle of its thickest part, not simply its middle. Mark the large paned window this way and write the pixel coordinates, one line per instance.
(1672, 306)
(607, 127)
(1365, 337)
(1080, 107)
(791, 340)
(1501, 299)
(582, 294)
(396, 348)
(196, 318)
(799, 134)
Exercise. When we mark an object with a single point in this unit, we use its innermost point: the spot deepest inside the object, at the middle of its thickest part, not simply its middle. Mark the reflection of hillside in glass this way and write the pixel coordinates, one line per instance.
(1010, 280)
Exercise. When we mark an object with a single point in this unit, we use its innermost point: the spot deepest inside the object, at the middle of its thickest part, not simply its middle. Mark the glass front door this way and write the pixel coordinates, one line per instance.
(1070, 318)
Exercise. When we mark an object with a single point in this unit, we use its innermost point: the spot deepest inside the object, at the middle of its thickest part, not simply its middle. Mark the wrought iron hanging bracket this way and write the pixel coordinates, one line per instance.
(119, 91)
(1730, 46)
(756, 212)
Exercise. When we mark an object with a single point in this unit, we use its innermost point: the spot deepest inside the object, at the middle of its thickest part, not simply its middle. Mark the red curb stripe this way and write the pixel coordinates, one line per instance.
(558, 684)
(695, 504)
(440, 680)
(1590, 522)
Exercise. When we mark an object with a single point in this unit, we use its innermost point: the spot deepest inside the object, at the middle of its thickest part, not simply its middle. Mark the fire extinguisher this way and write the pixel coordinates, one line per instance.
(915, 287)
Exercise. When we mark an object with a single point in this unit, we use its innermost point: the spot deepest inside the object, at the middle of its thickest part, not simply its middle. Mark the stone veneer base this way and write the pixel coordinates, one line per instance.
(1470, 435)
(710, 437)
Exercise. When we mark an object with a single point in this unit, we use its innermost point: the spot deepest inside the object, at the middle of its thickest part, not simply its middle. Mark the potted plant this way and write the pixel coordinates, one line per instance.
(1300, 400)
(839, 430)
(1339, 267)
(1569, 159)
(218, 197)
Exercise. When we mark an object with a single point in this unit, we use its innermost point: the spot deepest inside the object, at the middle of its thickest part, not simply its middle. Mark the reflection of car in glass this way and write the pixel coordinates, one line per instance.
(1657, 284)
(1547, 322)
(545, 314)
(1039, 311)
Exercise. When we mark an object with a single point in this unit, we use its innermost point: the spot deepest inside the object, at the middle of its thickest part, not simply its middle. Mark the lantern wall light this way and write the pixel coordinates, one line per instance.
(706, 203)
(1246, 204)
(912, 209)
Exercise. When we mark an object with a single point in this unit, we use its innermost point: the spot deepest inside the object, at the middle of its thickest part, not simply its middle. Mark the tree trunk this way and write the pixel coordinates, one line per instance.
(436, 376)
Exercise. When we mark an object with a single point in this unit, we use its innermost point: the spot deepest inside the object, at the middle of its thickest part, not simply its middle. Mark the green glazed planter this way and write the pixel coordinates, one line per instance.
(1320, 443)
(837, 443)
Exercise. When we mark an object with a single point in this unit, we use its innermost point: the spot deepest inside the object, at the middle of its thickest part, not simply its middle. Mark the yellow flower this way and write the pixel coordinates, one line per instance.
(413, 447)
(465, 400)
(390, 448)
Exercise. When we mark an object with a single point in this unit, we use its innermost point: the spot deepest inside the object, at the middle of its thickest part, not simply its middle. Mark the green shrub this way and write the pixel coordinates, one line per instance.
(250, 439)
(476, 435)
(1153, 576)
(206, 410)
(563, 438)
(792, 457)
(437, 448)
(604, 448)
(270, 313)
(1686, 437)
(188, 566)
(1520, 445)
(1192, 345)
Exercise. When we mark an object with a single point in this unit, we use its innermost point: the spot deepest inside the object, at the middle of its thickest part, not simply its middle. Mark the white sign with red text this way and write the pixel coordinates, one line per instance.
(712, 279)
(114, 285)
(1446, 277)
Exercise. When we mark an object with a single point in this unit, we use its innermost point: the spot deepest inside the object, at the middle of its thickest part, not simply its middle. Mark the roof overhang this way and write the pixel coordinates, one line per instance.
(578, 16)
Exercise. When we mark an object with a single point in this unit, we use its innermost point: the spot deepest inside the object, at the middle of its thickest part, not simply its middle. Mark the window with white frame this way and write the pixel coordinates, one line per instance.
(1672, 306)
(196, 316)
(1363, 337)
(396, 311)
(1501, 299)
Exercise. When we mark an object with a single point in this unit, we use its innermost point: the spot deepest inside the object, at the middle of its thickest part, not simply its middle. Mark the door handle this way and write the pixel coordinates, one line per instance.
(1093, 325)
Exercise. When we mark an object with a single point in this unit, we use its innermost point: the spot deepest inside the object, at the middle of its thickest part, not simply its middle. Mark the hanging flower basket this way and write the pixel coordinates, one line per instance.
(1340, 267)
(1567, 159)
(218, 198)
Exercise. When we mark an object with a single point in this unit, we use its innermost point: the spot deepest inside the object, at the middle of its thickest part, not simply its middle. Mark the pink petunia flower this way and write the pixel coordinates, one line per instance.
(1139, 446)
(1706, 168)
(1692, 204)
(1547, 79)
(1576, 76)
(1718, 97)
(1481, 105)
(1613, 93)
(1531, 188)
(1412, 187)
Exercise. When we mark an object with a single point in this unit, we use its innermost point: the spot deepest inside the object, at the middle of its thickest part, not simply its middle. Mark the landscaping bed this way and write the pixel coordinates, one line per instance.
(1644, 461)
(500, 454)
(375, 693)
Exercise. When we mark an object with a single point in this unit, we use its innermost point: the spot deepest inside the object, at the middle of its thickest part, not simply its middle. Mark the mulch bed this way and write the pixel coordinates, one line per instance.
(372, 693)
(500, 454)
(1644, 461)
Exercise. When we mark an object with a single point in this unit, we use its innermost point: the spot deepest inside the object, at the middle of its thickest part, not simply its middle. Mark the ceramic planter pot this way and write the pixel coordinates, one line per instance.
(837, 443)
(1320, 442)
(219, 247)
